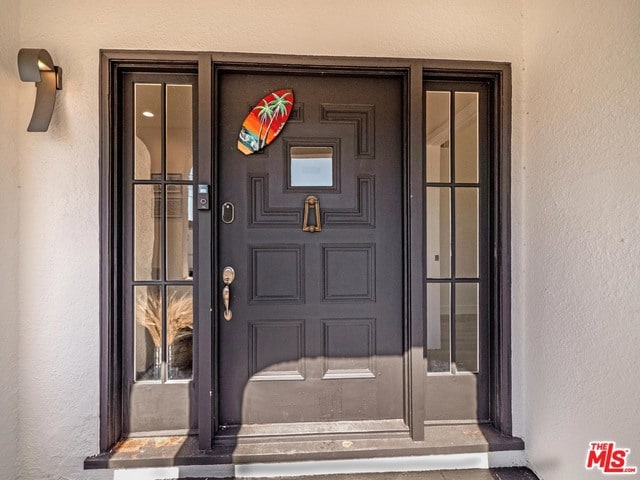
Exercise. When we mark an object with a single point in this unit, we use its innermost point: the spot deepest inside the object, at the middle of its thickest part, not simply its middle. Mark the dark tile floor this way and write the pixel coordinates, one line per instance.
(491, 474)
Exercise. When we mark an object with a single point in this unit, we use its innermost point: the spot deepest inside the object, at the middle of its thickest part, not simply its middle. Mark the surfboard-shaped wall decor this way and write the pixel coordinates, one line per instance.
(265, 121)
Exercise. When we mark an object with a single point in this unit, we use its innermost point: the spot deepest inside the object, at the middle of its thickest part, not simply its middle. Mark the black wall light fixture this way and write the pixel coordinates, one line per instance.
(36, 65)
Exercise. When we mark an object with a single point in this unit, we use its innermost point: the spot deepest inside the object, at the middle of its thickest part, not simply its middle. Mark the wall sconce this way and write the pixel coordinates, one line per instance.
(36, 65)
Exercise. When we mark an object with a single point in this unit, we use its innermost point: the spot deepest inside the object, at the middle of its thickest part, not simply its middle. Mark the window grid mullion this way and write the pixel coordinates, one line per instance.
(172, 283)
(163, 221)
(449, 280)
(452, 223)
(452, 184)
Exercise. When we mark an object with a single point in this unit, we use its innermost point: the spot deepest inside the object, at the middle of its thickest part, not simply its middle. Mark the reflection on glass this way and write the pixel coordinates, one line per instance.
(179, 233)
(179, 332)
(438, 136)
(179, 131)
(466, 136)
(466, 232)
(311, 166)
(438, 327)
(148, 138)
(438, 232)
(467, 327)
(147, 232)
(148, 332)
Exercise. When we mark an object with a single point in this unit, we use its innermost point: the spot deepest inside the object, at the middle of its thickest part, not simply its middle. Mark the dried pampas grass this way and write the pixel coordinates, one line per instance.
(179, 315)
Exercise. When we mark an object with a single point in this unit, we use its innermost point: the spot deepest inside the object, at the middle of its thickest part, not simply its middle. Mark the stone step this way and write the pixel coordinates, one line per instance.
(516, 473)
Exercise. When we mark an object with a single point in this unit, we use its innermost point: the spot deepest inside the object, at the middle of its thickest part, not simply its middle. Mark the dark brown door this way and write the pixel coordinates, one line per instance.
(316, 333)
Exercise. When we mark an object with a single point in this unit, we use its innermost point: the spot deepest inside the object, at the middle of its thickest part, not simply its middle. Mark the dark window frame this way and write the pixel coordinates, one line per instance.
(114, 236)
(164, 390)
(114, 63)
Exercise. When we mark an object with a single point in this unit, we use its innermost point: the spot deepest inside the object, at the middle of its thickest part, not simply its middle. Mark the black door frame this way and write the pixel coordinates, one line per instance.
(410, 319)
(498, 75)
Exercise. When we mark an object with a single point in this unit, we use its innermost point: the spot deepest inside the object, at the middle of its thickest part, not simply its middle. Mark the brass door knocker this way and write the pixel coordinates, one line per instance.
(311, 202)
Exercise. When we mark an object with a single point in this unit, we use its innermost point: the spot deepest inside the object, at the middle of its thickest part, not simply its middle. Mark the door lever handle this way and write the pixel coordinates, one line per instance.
(228, 275)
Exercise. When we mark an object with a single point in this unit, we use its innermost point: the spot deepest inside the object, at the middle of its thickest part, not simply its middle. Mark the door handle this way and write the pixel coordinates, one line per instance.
(228, 275)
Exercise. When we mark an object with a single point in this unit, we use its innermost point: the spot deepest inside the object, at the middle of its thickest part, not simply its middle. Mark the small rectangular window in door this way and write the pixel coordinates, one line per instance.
(311, 166)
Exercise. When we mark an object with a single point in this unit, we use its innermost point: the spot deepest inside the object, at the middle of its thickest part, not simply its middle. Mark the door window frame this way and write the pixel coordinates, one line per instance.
(114, 63)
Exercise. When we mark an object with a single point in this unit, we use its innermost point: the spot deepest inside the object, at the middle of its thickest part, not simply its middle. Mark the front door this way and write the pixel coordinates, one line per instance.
(316, 331)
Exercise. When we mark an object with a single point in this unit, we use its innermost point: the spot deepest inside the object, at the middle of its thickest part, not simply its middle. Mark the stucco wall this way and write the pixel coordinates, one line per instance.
(9, 41)
(59, 170)
(581, 231)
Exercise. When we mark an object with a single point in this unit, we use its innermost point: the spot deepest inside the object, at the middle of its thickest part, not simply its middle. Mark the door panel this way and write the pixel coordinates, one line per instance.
(317, 328)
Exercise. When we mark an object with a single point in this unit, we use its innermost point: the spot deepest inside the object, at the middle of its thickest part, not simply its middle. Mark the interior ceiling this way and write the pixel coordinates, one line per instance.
(179, 109)
(438, 107)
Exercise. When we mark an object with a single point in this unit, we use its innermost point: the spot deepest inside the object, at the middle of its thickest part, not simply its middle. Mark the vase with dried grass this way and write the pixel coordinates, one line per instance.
(179, 329)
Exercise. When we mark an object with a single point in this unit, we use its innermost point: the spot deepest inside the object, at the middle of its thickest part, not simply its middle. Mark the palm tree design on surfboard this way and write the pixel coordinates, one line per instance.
(265, 121)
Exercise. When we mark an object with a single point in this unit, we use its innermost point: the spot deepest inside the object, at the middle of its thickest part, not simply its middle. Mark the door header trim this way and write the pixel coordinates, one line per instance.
(445, 67)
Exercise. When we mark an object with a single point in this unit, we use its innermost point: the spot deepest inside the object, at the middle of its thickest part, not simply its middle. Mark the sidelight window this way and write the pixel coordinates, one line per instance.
(162, 277)
(157, 268)
(455, 192)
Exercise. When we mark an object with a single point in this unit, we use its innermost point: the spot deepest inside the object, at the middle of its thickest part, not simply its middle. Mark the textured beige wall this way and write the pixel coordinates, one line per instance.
(9, 161)
(59, 247)
(575, 198)
(581, 231)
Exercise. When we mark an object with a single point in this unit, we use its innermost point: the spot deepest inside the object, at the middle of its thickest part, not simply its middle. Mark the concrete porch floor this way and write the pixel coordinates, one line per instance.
(516, 473)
